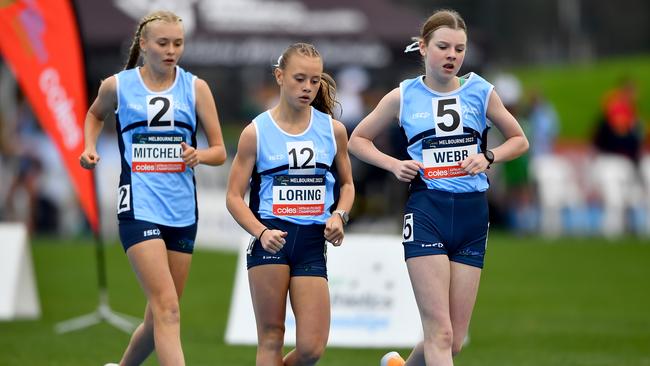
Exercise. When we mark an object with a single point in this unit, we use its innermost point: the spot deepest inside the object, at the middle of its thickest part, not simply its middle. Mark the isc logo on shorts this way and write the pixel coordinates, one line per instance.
(151, 232)
(407, 230)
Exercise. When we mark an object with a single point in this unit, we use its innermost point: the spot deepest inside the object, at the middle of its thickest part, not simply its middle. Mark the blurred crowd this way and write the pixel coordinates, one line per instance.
(598, 187)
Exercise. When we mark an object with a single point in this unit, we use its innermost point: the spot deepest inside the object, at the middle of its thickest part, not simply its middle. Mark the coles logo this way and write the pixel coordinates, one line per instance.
(286, 210)
(145, 168)
(437, 173)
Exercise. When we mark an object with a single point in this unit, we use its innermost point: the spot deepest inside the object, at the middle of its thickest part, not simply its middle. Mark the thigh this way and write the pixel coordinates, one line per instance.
(269, 285)
(430, 280)
(462, 297)
(310, 302)
(180, 246)
(150, 263)
(179, 266)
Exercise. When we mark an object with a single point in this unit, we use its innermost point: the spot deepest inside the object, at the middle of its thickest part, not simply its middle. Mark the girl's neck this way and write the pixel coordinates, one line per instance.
(290, 119)
(443, 86)
(157, 81)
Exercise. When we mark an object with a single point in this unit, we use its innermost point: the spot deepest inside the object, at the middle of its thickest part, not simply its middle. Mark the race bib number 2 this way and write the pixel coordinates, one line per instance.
(160, 112)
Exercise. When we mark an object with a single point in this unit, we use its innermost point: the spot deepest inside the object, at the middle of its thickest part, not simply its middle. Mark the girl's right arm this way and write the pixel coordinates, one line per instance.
(361, 141)
(240, 174)
(104, 103)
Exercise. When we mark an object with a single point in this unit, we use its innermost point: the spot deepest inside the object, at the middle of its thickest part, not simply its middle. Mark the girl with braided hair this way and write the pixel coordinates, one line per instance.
(157, 106)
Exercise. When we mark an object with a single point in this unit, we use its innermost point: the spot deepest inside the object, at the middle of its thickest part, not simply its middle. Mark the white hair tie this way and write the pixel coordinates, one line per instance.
(415, 46)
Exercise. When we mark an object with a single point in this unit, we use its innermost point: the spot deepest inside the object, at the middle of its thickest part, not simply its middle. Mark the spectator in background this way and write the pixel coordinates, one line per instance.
(543, 124)
(619, 127)
(22, 144)
(511, 201)
(352, 82)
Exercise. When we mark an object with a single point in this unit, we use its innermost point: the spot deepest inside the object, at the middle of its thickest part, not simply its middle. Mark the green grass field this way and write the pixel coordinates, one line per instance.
(569, 302)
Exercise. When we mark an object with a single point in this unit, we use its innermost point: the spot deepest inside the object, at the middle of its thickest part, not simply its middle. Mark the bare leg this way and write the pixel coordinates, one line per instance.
(310, 301)
(142, 340)
(430, 278)
(149, 260)
(462, 297)
(269, 285)
(464, 282)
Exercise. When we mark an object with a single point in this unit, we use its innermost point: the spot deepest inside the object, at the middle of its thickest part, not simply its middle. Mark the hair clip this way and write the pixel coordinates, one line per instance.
(415, 46)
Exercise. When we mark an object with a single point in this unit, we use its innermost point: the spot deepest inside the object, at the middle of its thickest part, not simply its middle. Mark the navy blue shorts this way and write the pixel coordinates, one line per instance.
(179, 239)
(455, 224)
(305, 250)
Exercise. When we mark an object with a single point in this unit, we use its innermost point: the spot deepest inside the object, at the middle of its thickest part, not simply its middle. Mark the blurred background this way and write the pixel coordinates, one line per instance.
(575, 73)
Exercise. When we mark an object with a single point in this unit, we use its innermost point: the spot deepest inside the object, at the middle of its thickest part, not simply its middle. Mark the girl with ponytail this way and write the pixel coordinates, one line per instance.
(294, 159)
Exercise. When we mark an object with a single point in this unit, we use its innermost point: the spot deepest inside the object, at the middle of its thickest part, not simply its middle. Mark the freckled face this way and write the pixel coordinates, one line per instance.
(300, 79)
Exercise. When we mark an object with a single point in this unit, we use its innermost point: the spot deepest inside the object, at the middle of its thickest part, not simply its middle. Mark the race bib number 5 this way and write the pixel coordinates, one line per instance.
(298, 195)
(157, 153)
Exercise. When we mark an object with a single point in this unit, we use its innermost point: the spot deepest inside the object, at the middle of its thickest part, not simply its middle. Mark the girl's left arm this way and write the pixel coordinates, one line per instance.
(344, 169)
(206, 110)
(334, 232)
(515, 143)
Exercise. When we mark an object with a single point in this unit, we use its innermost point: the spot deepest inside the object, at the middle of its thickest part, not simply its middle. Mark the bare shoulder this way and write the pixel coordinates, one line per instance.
(392, 98)
(339, 127)
(108, 85)
(248, 140)
(202, 88)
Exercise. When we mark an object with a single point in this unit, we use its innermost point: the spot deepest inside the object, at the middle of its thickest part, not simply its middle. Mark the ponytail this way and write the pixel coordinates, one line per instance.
(325, 100)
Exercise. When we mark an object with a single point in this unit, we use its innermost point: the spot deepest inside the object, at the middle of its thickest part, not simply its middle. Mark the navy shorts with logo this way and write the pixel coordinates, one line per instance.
(179, 239)
(455, 224)
(304, 251)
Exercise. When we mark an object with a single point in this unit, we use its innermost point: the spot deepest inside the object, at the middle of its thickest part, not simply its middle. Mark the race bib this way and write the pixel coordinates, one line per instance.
(441, 155)
(298, 195)
(157, 153)
(160, 112)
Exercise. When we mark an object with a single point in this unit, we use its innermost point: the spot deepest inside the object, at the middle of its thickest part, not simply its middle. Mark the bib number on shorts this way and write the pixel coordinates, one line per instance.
(123, 198)
(407, 229)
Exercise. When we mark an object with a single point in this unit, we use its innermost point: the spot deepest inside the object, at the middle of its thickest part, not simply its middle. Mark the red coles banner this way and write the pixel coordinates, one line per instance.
(40, 42)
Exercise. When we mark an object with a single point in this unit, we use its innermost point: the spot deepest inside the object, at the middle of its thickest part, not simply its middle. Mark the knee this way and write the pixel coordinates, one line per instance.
(166, 309)
(442, 338)
(271, 337)
(309, 354)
